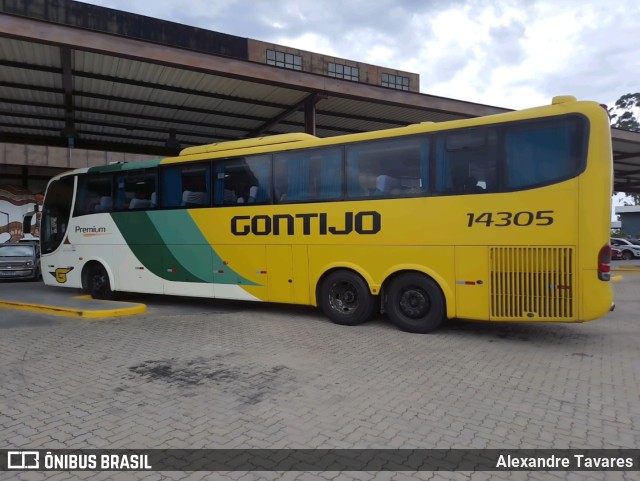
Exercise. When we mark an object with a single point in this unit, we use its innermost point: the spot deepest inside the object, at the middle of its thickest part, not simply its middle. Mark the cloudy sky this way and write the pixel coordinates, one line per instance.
(508, 53)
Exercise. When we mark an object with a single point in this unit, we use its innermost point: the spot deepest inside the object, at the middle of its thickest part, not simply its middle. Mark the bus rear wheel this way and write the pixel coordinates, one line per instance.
(98, 283)
(345, 298)
(415, 303)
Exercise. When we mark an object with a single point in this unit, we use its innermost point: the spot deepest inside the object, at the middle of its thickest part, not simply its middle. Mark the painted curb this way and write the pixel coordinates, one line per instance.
(75, 312)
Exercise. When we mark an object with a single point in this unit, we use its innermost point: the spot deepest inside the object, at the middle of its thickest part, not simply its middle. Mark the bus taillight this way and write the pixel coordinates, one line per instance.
(604, 263)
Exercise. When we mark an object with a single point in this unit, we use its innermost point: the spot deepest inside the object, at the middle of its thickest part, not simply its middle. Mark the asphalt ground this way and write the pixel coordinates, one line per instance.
(198, 373)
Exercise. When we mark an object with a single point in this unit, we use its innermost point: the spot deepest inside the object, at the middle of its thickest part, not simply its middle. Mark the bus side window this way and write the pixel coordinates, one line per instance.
(308, 175)
(134, 189)
(388, 168)
(537, 154)
(466, 162)
(94, 194)
(186, 186)
(244, 180)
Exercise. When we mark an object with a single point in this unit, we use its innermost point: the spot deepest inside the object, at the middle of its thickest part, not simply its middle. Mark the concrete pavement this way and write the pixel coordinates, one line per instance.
(193, 373)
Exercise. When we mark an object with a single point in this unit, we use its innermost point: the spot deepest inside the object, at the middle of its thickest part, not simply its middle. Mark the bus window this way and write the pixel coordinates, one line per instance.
(466, 162)
(243, 181)
(309, 175)
(94, 194)
(396, 168)
(136, 189)
(540, 153)
(186, 186)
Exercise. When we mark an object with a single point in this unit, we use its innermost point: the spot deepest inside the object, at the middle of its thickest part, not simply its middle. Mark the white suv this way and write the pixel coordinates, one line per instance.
(629, 248)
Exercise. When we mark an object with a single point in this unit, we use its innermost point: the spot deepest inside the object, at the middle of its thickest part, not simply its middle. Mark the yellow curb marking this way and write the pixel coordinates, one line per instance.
(71, 312)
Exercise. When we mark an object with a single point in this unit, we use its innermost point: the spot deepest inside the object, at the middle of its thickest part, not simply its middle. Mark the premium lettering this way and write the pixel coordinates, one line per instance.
(90, 230)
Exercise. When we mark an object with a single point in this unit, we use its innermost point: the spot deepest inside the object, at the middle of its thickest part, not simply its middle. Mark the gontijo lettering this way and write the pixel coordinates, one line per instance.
(367, 222)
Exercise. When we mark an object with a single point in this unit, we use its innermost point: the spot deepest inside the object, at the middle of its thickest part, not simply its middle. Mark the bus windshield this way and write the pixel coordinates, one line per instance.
(55, 213)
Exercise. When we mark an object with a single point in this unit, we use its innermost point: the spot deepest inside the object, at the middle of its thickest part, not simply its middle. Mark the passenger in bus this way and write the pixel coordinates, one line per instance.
(463, 183)
(367, 184)
(92, 203)
(139, 201)
(386, 185)
(249, 197)
(242, 194)
(105, 204)
(229, 196)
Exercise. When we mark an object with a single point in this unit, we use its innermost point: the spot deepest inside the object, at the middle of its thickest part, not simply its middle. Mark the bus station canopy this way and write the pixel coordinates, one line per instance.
(64, 85)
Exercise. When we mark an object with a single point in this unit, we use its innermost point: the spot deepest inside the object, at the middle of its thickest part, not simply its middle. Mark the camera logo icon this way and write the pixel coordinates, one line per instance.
(23, 459)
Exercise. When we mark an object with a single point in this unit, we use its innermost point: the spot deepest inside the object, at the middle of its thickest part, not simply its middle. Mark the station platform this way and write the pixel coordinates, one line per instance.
(37, 297)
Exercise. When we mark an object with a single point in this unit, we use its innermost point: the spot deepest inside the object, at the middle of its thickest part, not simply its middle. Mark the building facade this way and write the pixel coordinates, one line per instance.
(334, 67)
(629, 216)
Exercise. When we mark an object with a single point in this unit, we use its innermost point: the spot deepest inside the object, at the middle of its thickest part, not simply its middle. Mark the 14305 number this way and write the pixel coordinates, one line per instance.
(504, 219)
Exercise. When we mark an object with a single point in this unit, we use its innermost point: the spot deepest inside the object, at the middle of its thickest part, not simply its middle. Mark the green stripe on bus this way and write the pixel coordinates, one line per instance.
(171, 239)
(147, 245)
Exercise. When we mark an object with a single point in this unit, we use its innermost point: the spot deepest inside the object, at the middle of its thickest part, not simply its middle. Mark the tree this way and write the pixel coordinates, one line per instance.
(623, 113)
(623, 116)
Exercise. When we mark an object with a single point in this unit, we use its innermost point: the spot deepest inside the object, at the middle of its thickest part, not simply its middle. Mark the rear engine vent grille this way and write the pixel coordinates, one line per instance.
(532, 283)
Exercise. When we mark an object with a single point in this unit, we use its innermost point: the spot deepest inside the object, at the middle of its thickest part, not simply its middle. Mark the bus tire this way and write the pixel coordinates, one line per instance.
(345, 298)
(98, 284)
(415, 303)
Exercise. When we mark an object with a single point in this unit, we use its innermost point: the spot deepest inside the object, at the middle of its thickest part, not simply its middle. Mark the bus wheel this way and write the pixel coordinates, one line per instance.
(415, 303)
(345, 298)
(98, 283)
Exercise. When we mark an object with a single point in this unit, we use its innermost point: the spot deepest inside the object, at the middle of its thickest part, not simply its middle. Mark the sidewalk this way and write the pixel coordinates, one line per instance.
(36, 297)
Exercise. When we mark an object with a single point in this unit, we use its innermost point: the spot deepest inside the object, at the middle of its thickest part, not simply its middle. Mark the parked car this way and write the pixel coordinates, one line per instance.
(616, 254)
(630, 248)
(19, 261)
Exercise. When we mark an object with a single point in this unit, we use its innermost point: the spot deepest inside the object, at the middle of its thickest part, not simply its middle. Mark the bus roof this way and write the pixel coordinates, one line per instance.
(246, 143)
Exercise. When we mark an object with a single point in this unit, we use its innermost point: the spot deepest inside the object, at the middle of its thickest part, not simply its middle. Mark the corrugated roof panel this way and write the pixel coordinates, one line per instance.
(143, 124)
(29, 78)
(217, 136)
(31, 109)
(36, 96)
(214, 84)
(360, 125)
(101, 64)
(21, 122)
(29, 52)
(124, 132)
(236, 110)
(31, 131)
(369, 109)
(197, 81)
(268, 93)
(233, 124)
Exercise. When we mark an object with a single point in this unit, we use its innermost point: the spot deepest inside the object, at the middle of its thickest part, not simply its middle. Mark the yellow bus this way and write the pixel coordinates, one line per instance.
(499, 218)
